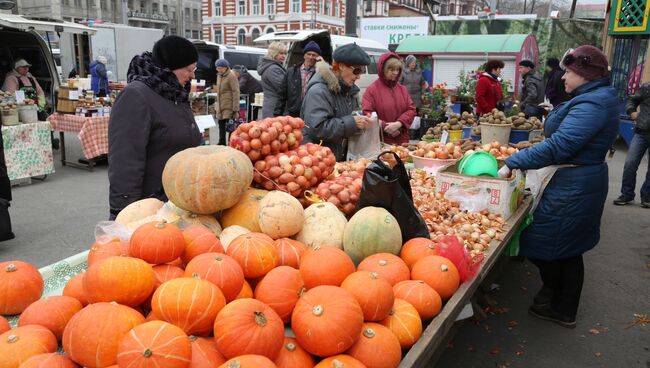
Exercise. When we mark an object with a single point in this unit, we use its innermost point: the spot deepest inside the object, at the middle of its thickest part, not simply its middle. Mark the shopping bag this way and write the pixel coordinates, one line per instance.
(391, 189)
(452, 249)
(366, 144)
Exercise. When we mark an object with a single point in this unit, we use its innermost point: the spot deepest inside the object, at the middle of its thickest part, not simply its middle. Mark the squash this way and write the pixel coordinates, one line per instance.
(249, 361)
(204, 353)
(375, 295)
(248, 326)
(189, 303)
(125, 280)
(327, 320)
(207, 179)
(255, 253)
(324, 224)
(210, 222)
(93, 335)
(230, 233)
(405, 323)
(280, 290)
(111, 249)
(219, 269)
(371, 230)
(75, 288)
(245, 292)
(20, 285)
(377, 347)
(198, 240)
(53, 313)
(49, 360)
(289, 252)
(325, 265)
(157, 242)
(280, 215)
(418, 248)
(388, 266)
(155, 344)
(244, 213)
(438, 272)
(138, 210)
(340, 361)
(21, 343)
(421, 296)
(293, 356)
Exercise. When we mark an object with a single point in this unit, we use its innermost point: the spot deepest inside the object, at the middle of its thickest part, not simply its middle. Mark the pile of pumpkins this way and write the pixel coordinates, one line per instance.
(214, 298)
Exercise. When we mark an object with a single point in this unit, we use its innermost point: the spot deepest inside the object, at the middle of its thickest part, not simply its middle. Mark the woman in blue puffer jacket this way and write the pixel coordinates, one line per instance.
(566, 223)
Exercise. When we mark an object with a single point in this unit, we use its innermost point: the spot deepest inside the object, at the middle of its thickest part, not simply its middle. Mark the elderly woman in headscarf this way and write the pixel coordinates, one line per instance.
(413, 80)
(273, 74)
(566, 222)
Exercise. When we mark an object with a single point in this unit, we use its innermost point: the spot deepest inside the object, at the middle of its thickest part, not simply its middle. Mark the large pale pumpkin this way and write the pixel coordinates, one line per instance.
(20, 285)
(207, 179)
(155, 344)
(208, 221)
(138, 210)
(230, 233)
(371, 230)
(22, 343)
(244, 213)
(324, 224)
(280, 215)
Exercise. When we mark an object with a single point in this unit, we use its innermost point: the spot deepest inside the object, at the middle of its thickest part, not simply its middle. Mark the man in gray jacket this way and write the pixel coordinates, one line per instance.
(532, 93)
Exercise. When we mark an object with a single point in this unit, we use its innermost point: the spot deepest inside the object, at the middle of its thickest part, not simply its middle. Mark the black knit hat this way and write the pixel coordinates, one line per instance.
(351, 54)
(527, 64)
(174, 52)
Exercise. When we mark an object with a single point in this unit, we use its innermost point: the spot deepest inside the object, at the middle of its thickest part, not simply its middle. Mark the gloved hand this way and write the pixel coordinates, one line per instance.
(504, 172)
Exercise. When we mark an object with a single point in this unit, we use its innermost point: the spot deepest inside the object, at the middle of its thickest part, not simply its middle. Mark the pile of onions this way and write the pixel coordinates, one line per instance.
(438, 150)
(353, 169)
(294, 171)
(444, 217)
(342, 191)
(401, 151)
(497, 150)
(259, 139)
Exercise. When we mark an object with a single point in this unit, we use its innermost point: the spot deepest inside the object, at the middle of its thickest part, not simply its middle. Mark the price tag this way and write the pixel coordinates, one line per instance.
(20, 96)
(205, 122)
(73, 95)
(444, 136)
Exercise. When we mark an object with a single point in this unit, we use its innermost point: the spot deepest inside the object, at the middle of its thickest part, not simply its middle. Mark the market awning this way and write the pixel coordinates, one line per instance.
(51, 25)
(463, 44)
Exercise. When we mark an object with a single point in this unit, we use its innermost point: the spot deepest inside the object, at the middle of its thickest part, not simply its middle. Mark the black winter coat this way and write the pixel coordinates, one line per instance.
(640, 98)
(294, 90)
(248, 85)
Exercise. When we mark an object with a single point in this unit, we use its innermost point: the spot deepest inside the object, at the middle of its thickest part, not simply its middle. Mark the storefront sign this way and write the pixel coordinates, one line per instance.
(393, 30)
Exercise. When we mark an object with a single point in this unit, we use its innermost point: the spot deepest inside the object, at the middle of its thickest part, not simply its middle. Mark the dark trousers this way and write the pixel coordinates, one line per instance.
(222, 132)
(564, 277)
(638, 147)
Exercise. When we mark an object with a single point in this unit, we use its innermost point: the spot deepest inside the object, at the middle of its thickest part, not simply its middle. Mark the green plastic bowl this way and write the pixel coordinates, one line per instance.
(479, 164)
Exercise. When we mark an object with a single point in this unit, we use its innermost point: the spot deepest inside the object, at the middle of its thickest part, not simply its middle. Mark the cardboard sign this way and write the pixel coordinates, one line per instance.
(20, 96)
(444, 137)
(73, 95)
(205, 122)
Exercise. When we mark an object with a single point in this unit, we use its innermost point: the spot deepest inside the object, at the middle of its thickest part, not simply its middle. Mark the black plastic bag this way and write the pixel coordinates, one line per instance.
(5, 221)
(391, 189)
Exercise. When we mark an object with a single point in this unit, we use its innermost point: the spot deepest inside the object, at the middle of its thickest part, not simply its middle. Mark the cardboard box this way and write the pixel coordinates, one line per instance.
(505, 194)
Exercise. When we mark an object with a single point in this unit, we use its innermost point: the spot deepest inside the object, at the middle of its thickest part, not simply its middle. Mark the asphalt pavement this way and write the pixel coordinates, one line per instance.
(55, 219)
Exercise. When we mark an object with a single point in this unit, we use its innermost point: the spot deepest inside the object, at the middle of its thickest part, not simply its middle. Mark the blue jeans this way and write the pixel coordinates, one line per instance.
(639, 145)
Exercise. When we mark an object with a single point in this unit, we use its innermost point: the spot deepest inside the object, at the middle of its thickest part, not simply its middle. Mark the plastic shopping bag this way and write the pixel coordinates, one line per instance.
(452, 249)
(471, 199)
(391, 189)
(366, 144)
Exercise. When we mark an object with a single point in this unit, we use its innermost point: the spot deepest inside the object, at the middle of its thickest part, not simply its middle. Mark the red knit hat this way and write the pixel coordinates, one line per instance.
(587, 61)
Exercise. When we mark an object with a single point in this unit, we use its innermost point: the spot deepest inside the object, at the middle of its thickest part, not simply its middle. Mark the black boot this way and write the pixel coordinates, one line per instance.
(548, 314)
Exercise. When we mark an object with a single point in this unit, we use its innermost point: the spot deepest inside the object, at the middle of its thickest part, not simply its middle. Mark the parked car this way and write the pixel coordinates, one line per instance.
(209, 52)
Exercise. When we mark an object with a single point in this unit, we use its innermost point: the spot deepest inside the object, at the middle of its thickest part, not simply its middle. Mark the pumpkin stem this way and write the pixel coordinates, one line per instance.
(392, 312)
(374, 275)
(218, 258)
(337, 364)
(444, 268)
(260, 318)
(383, 262)
(431, 246)
(147, 353)
(195, 275)
(11, 268)
(234, 364)
(12, 338)
(369, 333)
(302, 291)
(161, 224)
(290, 346)
(192, 338)
(317, 310)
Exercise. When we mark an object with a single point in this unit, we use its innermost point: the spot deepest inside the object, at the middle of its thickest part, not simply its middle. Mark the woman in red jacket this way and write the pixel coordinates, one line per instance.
(488, 88)
(391, 100)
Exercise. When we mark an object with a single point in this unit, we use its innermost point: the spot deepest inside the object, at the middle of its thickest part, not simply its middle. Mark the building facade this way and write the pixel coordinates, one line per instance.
(176, 17)
(239, 22)
(417, 8)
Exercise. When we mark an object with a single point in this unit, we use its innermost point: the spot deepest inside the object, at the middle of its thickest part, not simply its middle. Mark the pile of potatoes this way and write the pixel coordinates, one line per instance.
(520, 122)
(494, 117)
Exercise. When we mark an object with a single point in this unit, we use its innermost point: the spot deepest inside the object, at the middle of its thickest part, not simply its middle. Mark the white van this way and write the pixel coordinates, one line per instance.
(328, 43)
(209, 52)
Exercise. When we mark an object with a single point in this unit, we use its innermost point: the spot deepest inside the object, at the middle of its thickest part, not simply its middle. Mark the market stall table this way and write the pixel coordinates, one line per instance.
(92, 132)
(28, 150)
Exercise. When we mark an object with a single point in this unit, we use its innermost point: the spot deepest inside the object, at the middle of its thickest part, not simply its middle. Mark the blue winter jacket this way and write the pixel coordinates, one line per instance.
(98, 77)
(566, 222)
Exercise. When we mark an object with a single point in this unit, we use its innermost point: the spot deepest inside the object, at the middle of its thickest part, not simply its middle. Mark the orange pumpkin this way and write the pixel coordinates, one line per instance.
(151, 316)
(249, 361)
(422, 296)
(20, 285)
(388, 266)
(327, 320)
(207, 179)
(125, 280)
(280, 290)
(157, 242)
(189, 303)
(293, 356)
(255, 253)
(340, 361)
(75, 288)
(251, 321)
(220, 270)
(245, 292)
(418, 248)
(100, 251)
(166, 272)
(4, 325)
(49, 360)
(21, 343)
(375, 295)
(244, 213)
(53, 313)
(405, 323)
(199, 240)
(439, 273)
(325, 265)
(155, 344)
(93, 335)
(377, 347)
(205, 353)
(289, 252)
